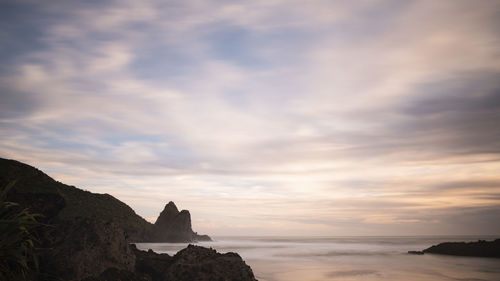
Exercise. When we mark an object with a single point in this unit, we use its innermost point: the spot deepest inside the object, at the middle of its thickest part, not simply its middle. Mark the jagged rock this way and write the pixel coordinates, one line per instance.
(193, 263)
(175, 226)
(168, 215)
(199, 263)
(151, 263)
(480, 248)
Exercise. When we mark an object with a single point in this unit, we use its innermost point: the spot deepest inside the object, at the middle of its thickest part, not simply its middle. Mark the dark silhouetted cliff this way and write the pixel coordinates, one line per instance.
(86, 236)
(60, 202)
(57, 201)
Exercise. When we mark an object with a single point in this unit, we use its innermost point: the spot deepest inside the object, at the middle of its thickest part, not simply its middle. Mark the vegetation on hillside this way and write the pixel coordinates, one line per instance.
(18, 259)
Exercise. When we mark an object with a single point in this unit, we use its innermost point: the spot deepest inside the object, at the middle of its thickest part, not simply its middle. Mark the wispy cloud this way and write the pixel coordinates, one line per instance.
(266, 117)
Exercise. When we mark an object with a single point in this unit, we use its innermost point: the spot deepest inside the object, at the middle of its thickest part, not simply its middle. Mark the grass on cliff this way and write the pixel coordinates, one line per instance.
(18, 259)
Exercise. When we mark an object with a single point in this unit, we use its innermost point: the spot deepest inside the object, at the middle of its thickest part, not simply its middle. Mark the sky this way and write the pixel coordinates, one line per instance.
(263, 117)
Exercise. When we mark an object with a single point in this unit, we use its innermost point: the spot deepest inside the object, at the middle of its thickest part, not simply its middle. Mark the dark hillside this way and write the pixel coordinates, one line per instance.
(57, 201)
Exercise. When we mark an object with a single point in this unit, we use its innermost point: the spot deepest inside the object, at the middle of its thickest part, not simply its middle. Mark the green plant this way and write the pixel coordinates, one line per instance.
(18, 259)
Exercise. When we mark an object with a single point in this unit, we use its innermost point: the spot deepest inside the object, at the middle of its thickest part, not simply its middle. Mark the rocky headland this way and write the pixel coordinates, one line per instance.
(88, 236)
(39, 192)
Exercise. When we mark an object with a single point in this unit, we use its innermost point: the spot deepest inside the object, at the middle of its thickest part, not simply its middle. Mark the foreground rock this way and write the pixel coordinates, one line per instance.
(85, 247)
(481, 248)
(92, 250)
(193, 263)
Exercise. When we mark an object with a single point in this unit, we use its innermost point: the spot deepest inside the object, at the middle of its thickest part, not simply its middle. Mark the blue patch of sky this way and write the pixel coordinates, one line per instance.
(288, 46)
(50, 136)
(249, 48)
(121, 138)
(161, 61)
(157, 59)
(179, 154)
(23, 28)
(16, 104)
(175, 154)
(60, 143)
(233, 44)
(21, 31)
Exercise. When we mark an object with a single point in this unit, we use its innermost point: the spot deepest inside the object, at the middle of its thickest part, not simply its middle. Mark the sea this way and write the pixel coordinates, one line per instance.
(349, 258)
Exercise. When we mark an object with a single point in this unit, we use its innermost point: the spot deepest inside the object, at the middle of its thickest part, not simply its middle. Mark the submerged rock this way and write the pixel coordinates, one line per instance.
(415, 252)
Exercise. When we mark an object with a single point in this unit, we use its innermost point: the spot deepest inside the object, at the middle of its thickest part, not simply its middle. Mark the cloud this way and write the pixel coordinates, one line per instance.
(360, 115)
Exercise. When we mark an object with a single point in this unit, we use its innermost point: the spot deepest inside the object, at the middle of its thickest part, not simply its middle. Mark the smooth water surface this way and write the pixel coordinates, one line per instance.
(348, 258)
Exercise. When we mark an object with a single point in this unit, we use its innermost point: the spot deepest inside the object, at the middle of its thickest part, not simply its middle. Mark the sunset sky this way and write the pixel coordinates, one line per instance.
(265, 117)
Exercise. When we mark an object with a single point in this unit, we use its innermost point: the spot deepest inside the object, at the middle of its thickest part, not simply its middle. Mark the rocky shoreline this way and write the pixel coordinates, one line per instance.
(481, 248)
(85, 236)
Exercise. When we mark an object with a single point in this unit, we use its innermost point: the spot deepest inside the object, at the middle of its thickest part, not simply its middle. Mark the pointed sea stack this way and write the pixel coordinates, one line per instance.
(175, 226)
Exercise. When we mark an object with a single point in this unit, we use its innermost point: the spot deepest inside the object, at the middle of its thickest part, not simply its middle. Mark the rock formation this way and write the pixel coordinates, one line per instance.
(480, 248)
(86, 236)
(175, 226)
(55, 200)
(193, 263)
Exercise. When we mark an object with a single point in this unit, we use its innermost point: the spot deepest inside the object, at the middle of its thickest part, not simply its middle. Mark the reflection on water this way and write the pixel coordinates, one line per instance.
(348, 258)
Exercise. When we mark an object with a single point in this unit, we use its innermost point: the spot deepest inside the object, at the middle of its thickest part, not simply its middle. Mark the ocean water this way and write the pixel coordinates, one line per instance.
(348, 258)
